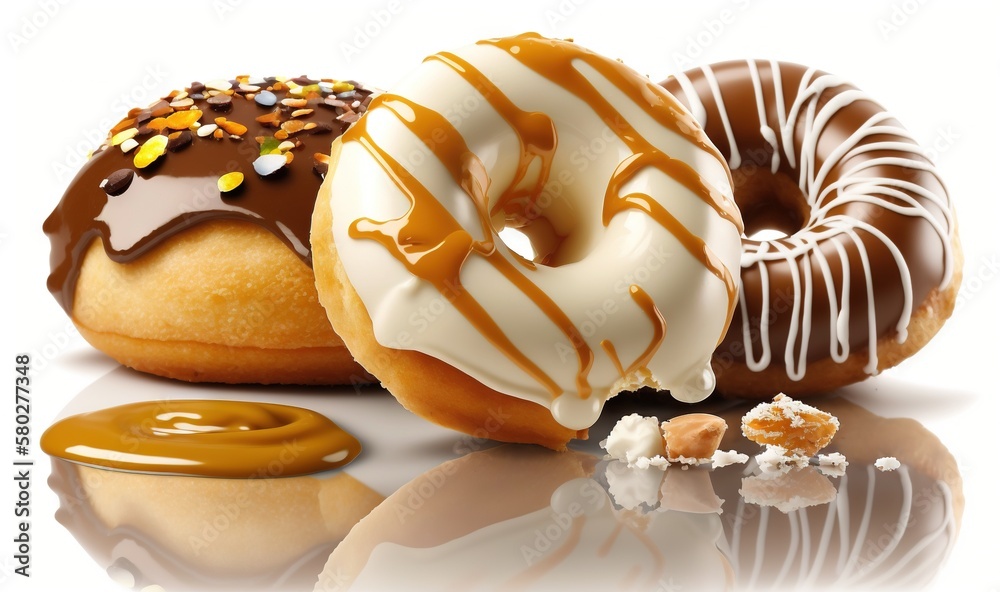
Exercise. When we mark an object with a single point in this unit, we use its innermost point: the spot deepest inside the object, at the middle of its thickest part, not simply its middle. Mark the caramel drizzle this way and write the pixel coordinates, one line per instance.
(645, 302)
(530, 50)
(468, 172)
(433, 246)
(536, 134)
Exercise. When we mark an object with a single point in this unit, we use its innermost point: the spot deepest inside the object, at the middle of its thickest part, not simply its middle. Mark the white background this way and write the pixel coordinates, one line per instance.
(75, 67)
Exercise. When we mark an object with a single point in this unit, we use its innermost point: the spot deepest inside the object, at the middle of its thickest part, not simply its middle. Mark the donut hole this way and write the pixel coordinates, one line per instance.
(536, 240)
(772, 204)
(518, 242)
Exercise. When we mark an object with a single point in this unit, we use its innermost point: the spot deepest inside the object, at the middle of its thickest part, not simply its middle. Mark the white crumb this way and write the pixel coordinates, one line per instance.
(887, 463)
(688, 461)
(833, 464)
(775, 460)
(644, 462)
(637, 441)
(723, 458)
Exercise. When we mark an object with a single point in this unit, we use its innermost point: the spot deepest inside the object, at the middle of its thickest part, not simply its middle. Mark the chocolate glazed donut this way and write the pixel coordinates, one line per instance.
(182, 247)
(871, 264)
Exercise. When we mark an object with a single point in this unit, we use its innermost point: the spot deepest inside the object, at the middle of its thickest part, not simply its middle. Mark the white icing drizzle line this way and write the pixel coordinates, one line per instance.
(734, 150)
(894, 195)
(765, 130)
(849, 570)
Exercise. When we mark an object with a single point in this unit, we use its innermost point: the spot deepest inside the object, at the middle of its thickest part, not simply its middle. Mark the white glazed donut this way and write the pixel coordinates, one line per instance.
(627, 204)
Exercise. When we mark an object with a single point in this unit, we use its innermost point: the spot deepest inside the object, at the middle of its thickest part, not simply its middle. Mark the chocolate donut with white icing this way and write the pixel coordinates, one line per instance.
(866, 263)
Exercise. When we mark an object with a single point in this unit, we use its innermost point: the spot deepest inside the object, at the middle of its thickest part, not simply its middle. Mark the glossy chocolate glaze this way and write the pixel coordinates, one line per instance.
(180, 188)
(768, 200)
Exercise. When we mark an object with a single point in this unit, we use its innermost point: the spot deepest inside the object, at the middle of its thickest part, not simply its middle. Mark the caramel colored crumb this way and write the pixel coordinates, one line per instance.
(693, 438)
(798, 428)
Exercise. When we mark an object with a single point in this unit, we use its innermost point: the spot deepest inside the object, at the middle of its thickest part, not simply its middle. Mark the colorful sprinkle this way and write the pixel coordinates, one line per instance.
(266, 98)
(182, 104)
(220, 85)
(269, 163)
(151, 150)
(179, 140)
(129, 145)
(231, 127)
(118, 181)
(206, 130)
(160, 109)
(123, 135)
(123, 124)
(292, 127)
(230, 181)
(321, 163)
(158, 124)
(220, 102)
(273, 118)
(269, 145)
(183, 119)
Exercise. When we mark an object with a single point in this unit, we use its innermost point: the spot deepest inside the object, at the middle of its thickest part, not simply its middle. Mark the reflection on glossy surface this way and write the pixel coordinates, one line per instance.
(882, 531)
(191, 533)
(516, 517)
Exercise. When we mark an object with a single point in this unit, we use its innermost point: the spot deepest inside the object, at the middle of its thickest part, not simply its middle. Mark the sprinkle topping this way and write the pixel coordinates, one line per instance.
(289, 107)
(230, 181)
(183, 119)
(265, 98)
(118, 181)
(269, 163)
(152, 149)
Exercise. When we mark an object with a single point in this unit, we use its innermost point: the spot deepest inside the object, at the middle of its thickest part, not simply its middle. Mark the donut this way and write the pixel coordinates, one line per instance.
(181, 248)
(864, 264)
(627, 206)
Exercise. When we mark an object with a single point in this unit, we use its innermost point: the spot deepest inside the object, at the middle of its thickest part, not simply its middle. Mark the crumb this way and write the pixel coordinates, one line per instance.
(724, 459)
(792, 425)
(693, 438)
(644, 462)
(887, 463)
(637, 441)
(833, 464)
(776, 460)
